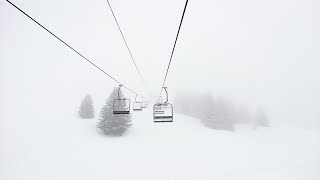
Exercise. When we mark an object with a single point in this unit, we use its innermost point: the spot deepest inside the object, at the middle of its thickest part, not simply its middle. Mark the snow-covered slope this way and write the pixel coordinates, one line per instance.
(65, 147)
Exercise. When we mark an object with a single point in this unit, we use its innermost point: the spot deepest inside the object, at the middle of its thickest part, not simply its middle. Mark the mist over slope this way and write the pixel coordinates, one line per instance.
(253, 52)
(66, 147)
(256, 53)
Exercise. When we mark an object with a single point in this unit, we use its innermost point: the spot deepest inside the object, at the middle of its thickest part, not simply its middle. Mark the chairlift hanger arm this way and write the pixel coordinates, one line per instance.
(119, 91)
(167, 98)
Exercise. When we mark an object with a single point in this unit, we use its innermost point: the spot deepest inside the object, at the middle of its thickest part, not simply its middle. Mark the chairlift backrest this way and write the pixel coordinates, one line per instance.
(163, 111)
(121, 105)
(137, 106)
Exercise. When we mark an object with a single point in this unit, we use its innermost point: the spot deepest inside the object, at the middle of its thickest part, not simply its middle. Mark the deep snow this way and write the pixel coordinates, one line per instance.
(66, 147)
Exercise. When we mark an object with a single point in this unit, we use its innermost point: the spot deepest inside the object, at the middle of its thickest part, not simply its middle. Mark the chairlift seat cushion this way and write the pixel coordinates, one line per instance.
(121, 112)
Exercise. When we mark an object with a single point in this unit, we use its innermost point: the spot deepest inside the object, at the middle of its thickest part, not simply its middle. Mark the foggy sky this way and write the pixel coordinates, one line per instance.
(257, 53)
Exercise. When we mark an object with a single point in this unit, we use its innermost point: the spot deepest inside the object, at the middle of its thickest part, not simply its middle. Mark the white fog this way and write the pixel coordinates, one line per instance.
(251, 58)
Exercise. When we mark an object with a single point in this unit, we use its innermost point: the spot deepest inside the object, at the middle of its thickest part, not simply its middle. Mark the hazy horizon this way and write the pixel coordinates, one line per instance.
(255, 53)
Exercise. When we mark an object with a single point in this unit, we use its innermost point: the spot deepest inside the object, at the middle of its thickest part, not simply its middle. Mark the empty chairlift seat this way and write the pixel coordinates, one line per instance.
(163, 112)
(143, 104)
(137, 105)
(121, 105)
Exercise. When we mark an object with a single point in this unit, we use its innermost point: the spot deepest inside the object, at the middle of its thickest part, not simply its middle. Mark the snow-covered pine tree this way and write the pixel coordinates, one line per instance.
(111, 124)
(200, 103)
(260, 118)
(86, 110)
(222, 116)
(182, 103)
(179, 103)
(206, 109)
(242, 115)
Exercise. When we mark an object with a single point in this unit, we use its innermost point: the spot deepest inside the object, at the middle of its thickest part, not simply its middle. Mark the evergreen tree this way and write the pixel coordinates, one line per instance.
(222, 116)
(205, 106)
(242, 115)
(181, 103)
(216, 115)
(86, 110)
(261, 119)
(113, 124)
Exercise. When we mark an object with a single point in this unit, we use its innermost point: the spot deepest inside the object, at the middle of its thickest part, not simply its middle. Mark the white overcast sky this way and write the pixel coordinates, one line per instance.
(256, 53)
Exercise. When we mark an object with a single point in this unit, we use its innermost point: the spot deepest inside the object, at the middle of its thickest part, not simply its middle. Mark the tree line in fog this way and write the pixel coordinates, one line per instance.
(218, 113)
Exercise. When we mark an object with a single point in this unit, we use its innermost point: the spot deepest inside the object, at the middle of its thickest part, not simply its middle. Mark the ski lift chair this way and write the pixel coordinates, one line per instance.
(121, 105)
(143, 104)
(163, 112)
(137, 106)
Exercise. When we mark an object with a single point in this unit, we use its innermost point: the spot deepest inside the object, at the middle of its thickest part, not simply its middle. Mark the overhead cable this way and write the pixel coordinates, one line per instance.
(174, 46)
(74, 50)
